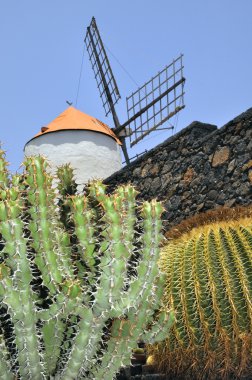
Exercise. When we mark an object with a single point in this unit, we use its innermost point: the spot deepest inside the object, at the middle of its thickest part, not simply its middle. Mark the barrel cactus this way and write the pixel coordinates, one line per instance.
(78, 276)
(208, 262)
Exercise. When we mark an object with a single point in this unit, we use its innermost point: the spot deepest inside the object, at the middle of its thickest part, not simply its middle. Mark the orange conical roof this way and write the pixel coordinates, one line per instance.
(71, 119)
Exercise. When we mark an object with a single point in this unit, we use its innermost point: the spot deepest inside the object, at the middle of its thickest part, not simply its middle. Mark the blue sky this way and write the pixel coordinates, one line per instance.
(42, 47)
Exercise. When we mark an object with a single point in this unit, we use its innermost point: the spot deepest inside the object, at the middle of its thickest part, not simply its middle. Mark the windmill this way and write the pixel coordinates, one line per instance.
(149, 107)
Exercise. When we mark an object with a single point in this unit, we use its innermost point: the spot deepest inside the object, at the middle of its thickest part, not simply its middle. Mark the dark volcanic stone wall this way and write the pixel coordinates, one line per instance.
(198, 169)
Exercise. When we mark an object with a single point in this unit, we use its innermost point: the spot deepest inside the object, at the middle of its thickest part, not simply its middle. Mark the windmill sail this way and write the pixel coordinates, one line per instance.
(156, 101)
(106, 82)
(149, 107)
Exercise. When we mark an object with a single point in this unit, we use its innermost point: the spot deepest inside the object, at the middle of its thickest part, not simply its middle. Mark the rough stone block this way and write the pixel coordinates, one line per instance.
(154, 377)
(136, 369)
(148, 369)
(220, 156)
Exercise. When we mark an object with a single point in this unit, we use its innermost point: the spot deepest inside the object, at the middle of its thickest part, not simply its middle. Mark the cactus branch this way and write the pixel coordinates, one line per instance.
(78, 275)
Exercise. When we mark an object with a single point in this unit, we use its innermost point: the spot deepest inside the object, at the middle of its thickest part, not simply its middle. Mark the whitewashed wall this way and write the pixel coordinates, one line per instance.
(91, 154)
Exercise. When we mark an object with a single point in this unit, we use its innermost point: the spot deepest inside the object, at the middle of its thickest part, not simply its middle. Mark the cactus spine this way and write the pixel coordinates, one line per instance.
(209, 286)
(75, 291)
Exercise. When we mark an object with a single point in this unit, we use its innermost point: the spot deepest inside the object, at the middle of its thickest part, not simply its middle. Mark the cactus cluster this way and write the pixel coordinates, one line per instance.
(209, 286)
(79, 283)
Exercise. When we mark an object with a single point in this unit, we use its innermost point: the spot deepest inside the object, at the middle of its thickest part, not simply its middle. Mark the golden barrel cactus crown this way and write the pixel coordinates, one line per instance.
(208, 262)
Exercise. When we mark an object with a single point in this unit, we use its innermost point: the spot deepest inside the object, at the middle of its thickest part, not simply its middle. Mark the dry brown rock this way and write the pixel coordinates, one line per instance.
(247, 166)
(154, 170)
(189, 175)
(220, 156)
(145, 170)
(239, 127)
(250, 176)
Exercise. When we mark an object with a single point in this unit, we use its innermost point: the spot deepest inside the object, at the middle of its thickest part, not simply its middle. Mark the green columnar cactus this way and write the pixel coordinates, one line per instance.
(209, 286)
(75, 291)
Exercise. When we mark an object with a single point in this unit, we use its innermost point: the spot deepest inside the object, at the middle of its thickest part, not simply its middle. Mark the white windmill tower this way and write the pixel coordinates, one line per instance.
(89, 145)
